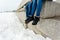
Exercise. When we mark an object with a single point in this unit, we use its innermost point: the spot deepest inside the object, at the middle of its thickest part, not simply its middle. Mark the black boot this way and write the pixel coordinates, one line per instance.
(29, 19)
(35, 21)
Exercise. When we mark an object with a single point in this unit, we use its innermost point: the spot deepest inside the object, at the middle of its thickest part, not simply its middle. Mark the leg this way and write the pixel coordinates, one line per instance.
(38, 10)
(39, 7)
(32, 10)
(34, 4)
(28, 10)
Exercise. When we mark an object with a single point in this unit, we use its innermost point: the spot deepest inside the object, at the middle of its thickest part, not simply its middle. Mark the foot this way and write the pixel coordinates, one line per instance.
(35, 21)
(29, 19)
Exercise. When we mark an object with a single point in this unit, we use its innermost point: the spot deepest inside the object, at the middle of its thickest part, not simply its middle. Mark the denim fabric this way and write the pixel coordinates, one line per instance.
(39, 7)
(31, 7)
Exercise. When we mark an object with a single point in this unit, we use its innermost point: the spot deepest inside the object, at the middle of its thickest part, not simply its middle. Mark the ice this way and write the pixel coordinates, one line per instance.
(12, 29)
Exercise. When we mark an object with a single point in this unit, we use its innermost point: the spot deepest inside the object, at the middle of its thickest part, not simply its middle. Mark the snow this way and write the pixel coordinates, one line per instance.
(9, 5)
(12, 29)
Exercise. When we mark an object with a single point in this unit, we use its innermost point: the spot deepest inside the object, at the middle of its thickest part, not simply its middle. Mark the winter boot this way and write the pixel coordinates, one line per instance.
(35, 21)
(29, 19)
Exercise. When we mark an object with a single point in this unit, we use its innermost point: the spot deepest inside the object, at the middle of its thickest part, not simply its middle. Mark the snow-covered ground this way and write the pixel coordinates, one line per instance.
(9, 5)
(12, 29)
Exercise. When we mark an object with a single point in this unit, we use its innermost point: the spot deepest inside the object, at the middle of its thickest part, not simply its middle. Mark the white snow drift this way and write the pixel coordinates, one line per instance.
(12, 29)
(9, 5)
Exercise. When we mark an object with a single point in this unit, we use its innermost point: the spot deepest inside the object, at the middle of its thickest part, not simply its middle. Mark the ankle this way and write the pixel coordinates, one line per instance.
(37, 17)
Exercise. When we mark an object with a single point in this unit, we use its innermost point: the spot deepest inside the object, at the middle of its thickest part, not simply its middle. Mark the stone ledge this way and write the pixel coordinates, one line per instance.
(50, 27)
(50, 9)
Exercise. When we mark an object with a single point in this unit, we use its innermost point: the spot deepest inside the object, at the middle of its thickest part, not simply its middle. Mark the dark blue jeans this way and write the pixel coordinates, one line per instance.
(31, 7)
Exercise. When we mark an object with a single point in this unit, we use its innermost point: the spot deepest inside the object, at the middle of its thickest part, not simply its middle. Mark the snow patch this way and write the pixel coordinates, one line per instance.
(12, 29)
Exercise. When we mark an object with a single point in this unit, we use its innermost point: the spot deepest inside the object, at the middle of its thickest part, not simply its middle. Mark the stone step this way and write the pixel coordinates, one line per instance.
(47, 27)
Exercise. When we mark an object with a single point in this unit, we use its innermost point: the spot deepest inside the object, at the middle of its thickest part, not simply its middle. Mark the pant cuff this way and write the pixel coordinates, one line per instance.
(30, 16)
(37, 16)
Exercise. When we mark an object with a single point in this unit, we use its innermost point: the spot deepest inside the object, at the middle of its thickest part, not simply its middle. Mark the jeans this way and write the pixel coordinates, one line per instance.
(31, 7)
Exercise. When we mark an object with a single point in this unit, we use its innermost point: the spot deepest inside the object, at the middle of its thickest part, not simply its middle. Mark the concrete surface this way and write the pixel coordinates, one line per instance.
(46, 27)
(50, 9)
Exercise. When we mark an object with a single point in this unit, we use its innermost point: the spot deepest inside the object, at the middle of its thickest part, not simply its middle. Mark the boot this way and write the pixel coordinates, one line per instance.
(35, 21)
(29, 19)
